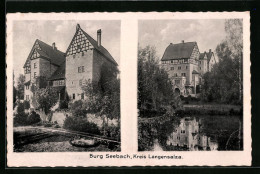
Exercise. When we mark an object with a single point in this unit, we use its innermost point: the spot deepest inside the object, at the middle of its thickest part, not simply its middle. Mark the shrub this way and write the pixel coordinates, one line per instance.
(77, 108)
(80, 124)
(20, 119)
(33, 118)
(20, 107)
(63, 104)
(57, 126)
(26, 104)
(47, 125)
(113, 132)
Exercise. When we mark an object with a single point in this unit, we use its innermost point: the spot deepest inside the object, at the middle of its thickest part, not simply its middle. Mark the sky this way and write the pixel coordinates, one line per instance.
(61, 32)
(207, 33)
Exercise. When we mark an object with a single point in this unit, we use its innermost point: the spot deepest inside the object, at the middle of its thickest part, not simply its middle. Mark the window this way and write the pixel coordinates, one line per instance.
(61, 82)
(175, 74)
(27, 70)
(183, 74)
(34, 75)
(200, 68)
(171, 61)
(179, 67)
(186, 67)
(35, 65)
(80, 82)
(183, 131)
(172, 68)
(81, 69)
(82, 96)
(82, 53)
(27, 97)
(73, 96)
(26, 86)
(74, 56)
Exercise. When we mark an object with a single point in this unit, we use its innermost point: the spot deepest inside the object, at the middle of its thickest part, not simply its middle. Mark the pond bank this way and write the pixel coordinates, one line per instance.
(210, 109)
(39, 139)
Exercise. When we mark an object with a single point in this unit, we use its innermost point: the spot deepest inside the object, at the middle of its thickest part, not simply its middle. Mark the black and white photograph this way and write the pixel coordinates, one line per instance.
(128, 89)
(190, 85)
(66, 86)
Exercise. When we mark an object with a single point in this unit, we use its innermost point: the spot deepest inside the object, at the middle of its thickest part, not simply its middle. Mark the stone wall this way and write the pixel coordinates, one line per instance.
(99, 120)
(98, 61)
(73, 76)
(59, 117)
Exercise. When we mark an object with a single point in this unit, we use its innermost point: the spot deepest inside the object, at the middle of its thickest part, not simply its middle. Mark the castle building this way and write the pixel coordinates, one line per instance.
(186, 65)
(189, 135)
(67, 71)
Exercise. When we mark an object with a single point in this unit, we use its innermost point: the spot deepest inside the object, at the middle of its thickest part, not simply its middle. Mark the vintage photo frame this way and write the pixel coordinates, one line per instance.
(129, 155)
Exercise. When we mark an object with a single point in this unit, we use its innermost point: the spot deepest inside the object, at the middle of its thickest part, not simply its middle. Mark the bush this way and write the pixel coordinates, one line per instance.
(113, 132)
(33, 118)
(56, 126)
(47, 125)
(26, 104)
(63, 104)
(77, 108)
(80, 124)
(20, 108)
(20, 119)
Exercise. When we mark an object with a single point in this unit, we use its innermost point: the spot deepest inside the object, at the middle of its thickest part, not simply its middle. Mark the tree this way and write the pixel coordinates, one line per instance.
(103, 97)
(20, 86)
(154, 86)
(224, 82)
(45, 98)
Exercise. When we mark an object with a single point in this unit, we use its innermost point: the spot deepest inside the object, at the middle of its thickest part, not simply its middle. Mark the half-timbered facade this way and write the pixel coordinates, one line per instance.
(84, 59)
(42, 62)
(67, 71)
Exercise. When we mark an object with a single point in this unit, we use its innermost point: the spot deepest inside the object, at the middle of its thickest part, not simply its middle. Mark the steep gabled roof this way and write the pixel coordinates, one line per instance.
(209, 55)
(101, 49)
(177, 51)
(195, 72)
(59, 73)
(54, 55)
(94, 43)
(202, 55)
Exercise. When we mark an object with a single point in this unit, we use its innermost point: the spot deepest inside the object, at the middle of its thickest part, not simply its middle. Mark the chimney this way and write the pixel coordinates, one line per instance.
(99, 37)
(210, 50)
(77, 27)
(182, 41)
(53, 46)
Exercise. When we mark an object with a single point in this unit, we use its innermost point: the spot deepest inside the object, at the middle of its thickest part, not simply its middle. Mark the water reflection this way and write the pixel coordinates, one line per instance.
(188, 136)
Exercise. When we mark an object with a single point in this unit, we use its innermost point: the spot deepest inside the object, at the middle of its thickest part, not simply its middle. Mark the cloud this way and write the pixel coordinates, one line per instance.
(207, 33)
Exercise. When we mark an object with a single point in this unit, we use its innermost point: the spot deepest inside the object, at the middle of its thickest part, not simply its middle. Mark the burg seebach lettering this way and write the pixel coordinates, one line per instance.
(134, 156)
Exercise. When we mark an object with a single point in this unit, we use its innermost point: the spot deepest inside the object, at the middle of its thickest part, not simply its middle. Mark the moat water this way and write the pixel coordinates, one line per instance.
(205, 133)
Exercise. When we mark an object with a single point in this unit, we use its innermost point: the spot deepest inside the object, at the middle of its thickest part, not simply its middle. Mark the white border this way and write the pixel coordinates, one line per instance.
(128, 63)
